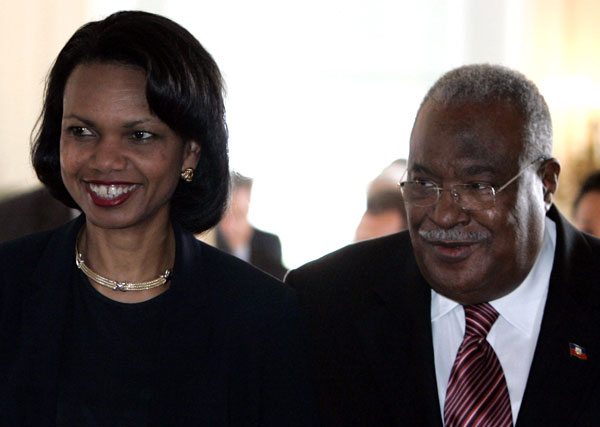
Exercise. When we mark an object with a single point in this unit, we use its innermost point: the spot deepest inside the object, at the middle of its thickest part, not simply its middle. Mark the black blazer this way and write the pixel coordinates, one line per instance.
(368, 310)
(233, 343)
(265, 251)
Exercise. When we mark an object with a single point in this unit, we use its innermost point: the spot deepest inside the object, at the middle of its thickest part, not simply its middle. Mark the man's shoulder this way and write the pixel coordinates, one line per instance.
(353, 268)
(578, 263)
(576, 266)
(264, 236)
(576, 251)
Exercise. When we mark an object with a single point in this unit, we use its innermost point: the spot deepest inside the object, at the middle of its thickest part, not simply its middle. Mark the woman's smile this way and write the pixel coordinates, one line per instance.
(109, 195)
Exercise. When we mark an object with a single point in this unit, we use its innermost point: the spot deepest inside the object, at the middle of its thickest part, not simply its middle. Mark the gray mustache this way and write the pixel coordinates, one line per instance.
(453, 235)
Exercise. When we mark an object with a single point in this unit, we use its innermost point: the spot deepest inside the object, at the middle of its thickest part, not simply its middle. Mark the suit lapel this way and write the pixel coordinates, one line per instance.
(396, 337)
(568, 318)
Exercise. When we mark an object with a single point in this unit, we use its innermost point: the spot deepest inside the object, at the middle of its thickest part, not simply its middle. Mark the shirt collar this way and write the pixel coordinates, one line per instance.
(516, 307)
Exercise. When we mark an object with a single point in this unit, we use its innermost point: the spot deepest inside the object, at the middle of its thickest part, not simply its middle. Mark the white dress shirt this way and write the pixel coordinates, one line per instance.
(513, 336)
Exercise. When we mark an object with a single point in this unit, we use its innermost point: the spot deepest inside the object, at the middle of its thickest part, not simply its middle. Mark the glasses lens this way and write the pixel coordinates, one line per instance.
(475, 197)
(419, 193)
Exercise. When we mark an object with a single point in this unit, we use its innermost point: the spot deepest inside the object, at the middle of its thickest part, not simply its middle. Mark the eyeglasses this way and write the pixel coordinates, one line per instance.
(470, 197)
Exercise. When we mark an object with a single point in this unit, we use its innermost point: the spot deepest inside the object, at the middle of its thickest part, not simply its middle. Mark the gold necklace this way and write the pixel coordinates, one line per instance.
(120, 286)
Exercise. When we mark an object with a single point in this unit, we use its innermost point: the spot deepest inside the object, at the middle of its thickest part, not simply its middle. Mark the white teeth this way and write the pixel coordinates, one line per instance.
(111, 191)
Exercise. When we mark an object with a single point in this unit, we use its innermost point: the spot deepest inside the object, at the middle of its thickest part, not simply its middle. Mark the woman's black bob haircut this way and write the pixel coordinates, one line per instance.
(184, 89)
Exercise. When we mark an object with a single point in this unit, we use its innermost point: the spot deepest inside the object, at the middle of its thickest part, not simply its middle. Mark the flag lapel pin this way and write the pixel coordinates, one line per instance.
(577, 351)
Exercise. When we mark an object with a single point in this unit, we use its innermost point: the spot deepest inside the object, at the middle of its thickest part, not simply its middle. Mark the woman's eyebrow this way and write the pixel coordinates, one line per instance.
(134, 123)
(81, 119)
(126, 125)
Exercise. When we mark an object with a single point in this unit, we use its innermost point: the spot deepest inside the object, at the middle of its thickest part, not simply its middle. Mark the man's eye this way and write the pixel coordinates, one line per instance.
(141, 135)
(80, 131)
(425, 183)
(478, 186)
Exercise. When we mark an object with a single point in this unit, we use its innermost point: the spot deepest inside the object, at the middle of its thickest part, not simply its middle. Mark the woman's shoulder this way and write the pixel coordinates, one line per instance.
(19, 259)
(198, 255)
(237, 272)
(233, 282)
(20, 256)
(24, 248)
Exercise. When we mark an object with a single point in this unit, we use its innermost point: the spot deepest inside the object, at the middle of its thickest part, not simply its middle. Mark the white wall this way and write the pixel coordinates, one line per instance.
(323, 94)
(31, 34)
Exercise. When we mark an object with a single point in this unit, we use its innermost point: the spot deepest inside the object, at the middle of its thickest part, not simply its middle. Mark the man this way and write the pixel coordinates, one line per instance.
(395, 321)
(385, 215)
(385, 212)
(586, 209)
(236, 235)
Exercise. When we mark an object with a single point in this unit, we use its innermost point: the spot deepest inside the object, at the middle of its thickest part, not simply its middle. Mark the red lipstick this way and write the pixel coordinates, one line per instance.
(110, 194)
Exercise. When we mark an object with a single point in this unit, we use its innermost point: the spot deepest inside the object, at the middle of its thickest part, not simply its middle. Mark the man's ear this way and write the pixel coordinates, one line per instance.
(191, 154)
(549, 172)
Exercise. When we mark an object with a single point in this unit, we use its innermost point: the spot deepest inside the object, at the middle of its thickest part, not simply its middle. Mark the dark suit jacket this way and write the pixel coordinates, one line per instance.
(265, 251)
(233, 347)
(31, 212)
(369, 315)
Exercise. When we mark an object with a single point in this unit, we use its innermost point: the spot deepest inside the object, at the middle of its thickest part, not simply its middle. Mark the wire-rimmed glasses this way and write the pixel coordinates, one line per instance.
(470, 197)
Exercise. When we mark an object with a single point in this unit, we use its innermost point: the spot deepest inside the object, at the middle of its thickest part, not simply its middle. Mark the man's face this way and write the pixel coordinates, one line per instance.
(475, 256)
(240, 202)
(587, 215)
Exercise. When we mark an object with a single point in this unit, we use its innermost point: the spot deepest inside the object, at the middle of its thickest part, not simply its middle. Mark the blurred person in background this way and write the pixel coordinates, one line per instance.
(586, 209)
(386, 213)
(31, 212)
(237, 236)
(121, 316)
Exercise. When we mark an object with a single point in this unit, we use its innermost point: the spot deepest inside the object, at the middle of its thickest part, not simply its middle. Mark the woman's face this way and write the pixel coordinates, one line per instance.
(119, 162)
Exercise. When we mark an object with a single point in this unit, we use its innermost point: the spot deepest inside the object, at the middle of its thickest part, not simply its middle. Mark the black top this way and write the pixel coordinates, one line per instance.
(111, 359)
(232, 351)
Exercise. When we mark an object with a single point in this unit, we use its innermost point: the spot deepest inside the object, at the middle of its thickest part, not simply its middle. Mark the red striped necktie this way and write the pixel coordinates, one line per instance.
(477, 394)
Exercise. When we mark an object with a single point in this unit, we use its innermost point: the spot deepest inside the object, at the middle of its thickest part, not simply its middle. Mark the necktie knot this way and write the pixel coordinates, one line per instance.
(479, 319)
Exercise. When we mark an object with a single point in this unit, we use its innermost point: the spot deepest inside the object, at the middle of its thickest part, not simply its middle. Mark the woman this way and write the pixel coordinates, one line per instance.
(122, 317)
